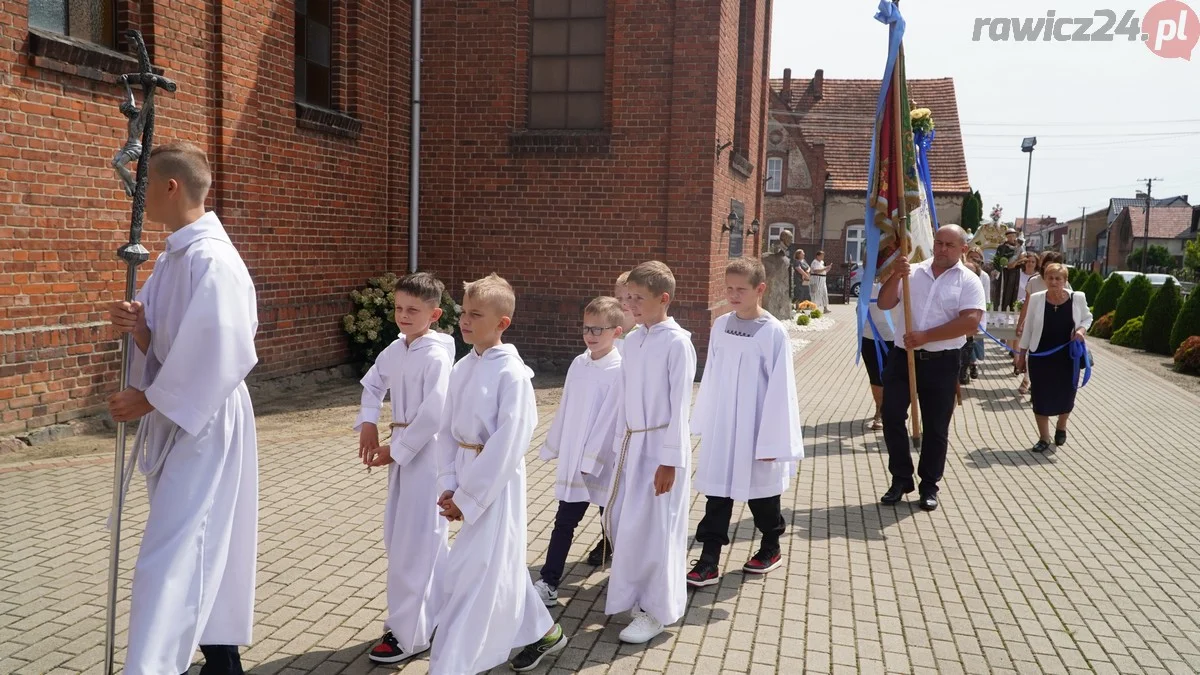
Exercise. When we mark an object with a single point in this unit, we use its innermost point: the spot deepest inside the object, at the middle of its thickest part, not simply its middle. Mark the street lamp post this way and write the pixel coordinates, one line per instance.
(1027, 146)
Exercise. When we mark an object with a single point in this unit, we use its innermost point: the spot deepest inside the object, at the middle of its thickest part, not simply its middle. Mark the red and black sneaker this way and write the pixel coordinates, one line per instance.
(388, 650)
(763, 562)
(705, 573)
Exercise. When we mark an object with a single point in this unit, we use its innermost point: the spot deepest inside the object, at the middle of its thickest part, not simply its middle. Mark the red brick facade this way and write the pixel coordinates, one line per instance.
(317, 201)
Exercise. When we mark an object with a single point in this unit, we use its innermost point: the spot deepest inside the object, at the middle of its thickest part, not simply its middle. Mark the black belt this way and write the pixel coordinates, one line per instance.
(923, 355)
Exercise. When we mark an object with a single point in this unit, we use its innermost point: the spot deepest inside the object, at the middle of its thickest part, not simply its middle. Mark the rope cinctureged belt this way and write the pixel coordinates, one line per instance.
(606, 521)
(393, 426)
(474, 447)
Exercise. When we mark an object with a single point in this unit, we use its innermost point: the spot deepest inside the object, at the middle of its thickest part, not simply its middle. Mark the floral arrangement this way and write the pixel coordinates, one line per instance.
(371, 327)
(922, 119)
(806, 306)
(997, 211)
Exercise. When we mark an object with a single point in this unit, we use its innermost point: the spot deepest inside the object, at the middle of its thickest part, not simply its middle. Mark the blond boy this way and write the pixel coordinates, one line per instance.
(628, 323)
(647, 510)
(490, 604)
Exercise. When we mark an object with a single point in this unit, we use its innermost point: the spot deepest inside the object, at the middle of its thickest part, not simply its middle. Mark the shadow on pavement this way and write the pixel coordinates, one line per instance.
(986, 458)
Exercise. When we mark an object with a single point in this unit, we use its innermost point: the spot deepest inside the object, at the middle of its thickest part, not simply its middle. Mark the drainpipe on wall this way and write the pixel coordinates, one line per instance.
(414, 162)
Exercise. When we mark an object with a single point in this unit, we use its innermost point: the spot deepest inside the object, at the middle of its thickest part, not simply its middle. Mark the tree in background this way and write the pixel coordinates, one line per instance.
(1091, 288)
(1191, 256)
(1133, 301)
(1160, 318)
(1187, 323)
(1158, 256)
(972, 212)
(1108, 297)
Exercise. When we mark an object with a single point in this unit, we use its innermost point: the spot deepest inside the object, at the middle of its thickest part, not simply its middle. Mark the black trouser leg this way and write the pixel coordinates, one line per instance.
(221, 660)
(936, 394)
(769, 520)
(565, 521)
(894, 414)
(713, 530)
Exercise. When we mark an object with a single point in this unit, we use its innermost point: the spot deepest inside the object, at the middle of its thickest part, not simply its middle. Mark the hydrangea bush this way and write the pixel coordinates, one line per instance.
(371, 327)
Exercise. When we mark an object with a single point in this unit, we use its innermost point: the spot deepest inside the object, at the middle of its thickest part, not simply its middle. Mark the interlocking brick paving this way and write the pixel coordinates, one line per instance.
(1081, 561)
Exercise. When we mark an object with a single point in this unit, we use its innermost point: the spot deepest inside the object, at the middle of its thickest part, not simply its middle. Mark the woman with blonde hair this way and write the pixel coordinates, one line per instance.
(816, 282)
(1034, 284)
(1057, 316)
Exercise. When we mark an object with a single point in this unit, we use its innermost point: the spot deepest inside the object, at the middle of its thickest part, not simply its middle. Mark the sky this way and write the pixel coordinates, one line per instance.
(1107, 115)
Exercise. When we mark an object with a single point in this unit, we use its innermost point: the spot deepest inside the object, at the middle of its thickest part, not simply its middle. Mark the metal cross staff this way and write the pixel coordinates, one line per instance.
(136, 148)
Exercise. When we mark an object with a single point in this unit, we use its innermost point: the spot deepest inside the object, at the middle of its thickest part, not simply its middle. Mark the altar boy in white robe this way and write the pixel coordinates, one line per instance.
(647, 510)
(748, 420)
(416, 370)
(194, 323)
(580, 438)
(490, 605)
(628, 323)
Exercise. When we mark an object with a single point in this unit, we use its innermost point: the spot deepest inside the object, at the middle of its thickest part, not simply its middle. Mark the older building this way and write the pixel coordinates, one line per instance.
(1169, 226)
(818, 153)
(562, 142)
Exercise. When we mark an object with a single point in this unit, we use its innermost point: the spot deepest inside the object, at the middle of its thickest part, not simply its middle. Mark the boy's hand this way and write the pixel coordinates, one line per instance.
(127, 317)
(449, 510)
(368, 440)
(664, 480)
(380, 456)
(128, 405)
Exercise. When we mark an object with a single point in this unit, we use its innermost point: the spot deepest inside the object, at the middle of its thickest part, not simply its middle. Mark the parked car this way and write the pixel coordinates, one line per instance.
(1156, 280)
(856, 273)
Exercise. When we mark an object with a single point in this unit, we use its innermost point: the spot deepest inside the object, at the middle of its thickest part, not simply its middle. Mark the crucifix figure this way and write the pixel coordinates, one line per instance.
(132, 150)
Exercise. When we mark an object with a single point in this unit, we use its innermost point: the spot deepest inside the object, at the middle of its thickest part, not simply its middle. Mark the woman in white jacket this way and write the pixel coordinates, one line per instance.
(1054, 318)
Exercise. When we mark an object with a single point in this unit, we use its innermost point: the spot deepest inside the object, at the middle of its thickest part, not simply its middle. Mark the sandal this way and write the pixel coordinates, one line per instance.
(876, 424)
(1023, 389)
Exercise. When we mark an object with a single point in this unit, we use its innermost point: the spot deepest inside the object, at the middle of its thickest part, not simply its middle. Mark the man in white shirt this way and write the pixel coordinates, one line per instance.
(947, 303)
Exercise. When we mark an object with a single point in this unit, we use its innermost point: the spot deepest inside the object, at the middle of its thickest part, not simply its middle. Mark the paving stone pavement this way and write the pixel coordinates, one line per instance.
(1082, 561)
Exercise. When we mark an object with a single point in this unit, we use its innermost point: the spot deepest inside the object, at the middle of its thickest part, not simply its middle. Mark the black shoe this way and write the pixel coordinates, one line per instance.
(929, 502)
(974, 373)
(532, 655)
(1042, 446)
(601, 554)
(964, 378)
(705, 573)
(895, 493)
(221, 660)
(1060, 437)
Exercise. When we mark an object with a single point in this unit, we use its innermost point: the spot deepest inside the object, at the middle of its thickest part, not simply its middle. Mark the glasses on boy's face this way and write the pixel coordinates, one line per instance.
(595, 331)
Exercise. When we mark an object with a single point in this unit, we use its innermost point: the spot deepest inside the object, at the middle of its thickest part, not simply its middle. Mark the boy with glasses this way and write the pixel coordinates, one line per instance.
(580, 439)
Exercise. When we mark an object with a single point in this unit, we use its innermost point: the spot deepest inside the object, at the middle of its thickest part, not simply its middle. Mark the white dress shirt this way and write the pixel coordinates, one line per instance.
(938, 301)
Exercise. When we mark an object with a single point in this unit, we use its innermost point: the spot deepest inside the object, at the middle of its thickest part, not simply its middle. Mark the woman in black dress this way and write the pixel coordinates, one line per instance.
(1056, 316)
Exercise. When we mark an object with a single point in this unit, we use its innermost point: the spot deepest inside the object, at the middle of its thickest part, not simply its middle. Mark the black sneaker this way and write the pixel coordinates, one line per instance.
(389, 651)
(704, 573)
(763, 562)
(974, 372)
(601, 554)
(532, 655)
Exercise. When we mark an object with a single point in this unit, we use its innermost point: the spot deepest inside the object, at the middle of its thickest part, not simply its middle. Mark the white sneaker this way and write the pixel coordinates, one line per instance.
(546, 593)
(642, 629)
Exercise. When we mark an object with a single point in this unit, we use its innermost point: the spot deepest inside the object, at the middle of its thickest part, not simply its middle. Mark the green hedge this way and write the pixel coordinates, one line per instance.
(1110, 294)
(1133, 301)
(1187, 323)
(1160, 318)
(1130, 335)
(1091, 288)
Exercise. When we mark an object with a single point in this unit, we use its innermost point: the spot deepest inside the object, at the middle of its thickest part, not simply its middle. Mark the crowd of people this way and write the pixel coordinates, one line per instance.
(459, 431)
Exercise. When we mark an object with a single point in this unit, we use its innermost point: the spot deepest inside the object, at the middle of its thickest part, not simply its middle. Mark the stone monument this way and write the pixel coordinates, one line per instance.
(778, 263)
